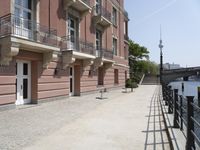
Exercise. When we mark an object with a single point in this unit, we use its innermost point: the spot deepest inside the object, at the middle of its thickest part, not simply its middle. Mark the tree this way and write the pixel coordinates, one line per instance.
(139, 61)
(139, 52)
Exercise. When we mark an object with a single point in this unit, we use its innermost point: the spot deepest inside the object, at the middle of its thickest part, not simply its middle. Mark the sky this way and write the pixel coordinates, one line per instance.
(180, 23)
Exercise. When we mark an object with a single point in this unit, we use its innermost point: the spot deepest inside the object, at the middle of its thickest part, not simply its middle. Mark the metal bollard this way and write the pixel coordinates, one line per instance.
(181, 111)
(176, 119)
(190, 124)
(170, 101)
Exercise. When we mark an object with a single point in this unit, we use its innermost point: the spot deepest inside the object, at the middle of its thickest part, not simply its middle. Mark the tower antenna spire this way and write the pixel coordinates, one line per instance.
(160, 33)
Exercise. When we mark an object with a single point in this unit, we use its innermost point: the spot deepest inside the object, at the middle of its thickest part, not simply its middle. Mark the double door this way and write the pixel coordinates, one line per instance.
(23, 82)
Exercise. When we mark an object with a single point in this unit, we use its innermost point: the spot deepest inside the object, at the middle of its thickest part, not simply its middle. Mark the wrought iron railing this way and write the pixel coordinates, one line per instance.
(88, 2)
(126, 37)
(12, 25)
(73, 43)
(103, 52)
(125, 13)
(100, 10)
(107, 53)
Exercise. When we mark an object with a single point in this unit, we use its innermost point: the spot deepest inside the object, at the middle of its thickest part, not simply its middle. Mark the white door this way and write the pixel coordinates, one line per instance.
(23, 82)
(71, 80)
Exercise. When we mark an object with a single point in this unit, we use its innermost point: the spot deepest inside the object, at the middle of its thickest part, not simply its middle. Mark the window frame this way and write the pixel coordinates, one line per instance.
(114, 16)
(114, 46)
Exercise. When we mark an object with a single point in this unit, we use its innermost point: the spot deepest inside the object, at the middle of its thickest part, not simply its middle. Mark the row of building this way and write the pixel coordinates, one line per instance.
(51, 49)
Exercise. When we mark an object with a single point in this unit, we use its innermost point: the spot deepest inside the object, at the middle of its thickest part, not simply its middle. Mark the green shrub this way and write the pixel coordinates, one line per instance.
(131, 84)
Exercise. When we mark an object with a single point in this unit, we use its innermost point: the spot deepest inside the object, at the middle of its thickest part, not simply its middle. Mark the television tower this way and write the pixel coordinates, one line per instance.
(161, 55)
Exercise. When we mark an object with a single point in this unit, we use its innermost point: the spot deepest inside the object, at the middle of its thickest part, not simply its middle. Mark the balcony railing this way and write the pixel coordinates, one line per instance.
(100, 10)
(104, 53)
(11, 25)
(125, 13)
(72, 43)
(88, 2)
(126, 37)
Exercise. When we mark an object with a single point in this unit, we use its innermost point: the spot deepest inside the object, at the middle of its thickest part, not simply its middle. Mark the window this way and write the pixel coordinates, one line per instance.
(72, 32)
(114, 46)
(116, 79)
(98, 39)
(125, 28)
(98, 6)
(114, 16)
(23, 9)
(23, 15)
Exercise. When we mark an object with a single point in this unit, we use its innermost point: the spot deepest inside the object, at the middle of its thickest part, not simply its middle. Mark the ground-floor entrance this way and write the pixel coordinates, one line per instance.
(23, 82)
(71, 81)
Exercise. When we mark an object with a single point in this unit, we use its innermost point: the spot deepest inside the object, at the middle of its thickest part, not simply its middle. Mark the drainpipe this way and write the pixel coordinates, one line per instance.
(49, 16)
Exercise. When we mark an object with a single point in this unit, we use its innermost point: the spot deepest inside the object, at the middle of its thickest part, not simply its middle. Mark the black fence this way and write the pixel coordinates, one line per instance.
(186, 115)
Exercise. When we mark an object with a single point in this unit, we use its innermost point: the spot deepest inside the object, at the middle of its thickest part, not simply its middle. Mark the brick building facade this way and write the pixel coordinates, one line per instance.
(52, 49)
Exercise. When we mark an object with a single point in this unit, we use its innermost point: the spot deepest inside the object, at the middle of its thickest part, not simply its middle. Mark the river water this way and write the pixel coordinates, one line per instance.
(190, 88)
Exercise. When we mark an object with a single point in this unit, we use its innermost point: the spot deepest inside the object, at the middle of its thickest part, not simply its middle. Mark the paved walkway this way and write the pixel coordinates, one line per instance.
(121, 121)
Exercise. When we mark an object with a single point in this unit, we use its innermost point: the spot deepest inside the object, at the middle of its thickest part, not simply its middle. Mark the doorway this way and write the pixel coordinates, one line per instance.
(71, 81)
(23, 82)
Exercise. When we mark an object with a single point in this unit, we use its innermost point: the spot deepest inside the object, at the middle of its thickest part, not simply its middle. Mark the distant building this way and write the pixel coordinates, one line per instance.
(171, 66)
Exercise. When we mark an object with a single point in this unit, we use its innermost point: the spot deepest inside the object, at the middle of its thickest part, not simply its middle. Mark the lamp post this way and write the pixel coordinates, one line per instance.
(161, 57)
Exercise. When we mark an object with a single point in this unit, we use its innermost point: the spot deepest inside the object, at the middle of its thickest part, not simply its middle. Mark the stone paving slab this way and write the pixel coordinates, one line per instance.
(118, 122)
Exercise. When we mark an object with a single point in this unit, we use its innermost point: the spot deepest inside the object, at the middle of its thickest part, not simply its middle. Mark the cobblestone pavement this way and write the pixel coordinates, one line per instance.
(26, 124)
(116, 122)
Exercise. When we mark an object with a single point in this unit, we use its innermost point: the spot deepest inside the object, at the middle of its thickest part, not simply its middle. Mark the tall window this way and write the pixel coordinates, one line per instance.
(125, 27)
(114, 46)
(23, 15)
(114, 16)
(98, 39)
(98, 6)
(72, 32)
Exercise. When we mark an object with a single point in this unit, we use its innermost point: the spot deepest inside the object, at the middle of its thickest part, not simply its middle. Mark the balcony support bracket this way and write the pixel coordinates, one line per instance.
(108, 65)
(48, 57)
(8, 51)
(87, 62)
(67, 59)
(98, 62)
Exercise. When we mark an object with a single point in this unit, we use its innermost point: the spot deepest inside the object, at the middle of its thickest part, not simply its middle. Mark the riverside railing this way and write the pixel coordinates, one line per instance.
(186, 112)
(12, 25)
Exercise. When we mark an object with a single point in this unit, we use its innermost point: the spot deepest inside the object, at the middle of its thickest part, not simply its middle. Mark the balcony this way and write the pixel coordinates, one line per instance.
(126, 15)
(126, 38)
(17, 32)
(73, 48)
(101, 16)
(104, 57)
(82, 6)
